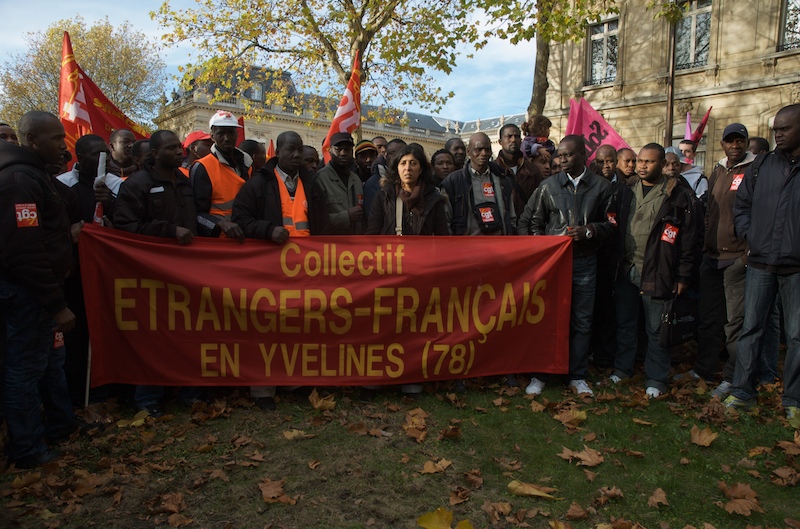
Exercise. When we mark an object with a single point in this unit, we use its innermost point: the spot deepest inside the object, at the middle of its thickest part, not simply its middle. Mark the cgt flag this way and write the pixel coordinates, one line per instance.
(82, 107)
(587, 122)
(348, 115)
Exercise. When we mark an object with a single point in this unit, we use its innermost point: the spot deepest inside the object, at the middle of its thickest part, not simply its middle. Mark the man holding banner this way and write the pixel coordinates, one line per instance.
(579, 204)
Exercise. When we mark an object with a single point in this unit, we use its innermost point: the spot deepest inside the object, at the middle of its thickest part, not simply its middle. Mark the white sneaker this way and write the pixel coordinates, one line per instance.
(581, 387)
(722, 390)
(616, 379)
(653, 392)
(535, 387)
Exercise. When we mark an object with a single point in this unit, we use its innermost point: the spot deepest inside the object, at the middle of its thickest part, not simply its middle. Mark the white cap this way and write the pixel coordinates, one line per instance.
(223, 118)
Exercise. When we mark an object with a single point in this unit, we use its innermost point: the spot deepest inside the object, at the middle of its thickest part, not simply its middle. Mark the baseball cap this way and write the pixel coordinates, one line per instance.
(734, 128)
(195, 135)
(343, 137)
(365, 145)
(223, 118)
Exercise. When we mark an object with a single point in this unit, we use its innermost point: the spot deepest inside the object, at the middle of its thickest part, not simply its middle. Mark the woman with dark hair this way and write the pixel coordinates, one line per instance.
(408, 202)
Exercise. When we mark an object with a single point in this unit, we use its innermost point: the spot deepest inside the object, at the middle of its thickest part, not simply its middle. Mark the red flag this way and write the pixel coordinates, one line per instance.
(270, 150)
(82, 107)
(585, 121)
(348, 115)
(240, 132)
(701, 127)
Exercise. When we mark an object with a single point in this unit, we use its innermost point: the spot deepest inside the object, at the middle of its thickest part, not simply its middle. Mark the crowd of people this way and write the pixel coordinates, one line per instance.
(647, 228)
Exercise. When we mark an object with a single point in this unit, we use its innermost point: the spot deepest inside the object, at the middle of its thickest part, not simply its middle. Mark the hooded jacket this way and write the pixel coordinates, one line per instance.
(35, 240)
(669, 256)
(766, 213)
(721, 241)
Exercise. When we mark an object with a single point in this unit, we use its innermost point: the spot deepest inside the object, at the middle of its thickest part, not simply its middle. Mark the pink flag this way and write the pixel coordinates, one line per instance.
(587, 122)
(688, 134)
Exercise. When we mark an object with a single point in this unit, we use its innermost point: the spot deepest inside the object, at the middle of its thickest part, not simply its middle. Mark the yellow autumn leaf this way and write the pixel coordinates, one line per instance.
(441, 518)
(519, 488)
(321, 403)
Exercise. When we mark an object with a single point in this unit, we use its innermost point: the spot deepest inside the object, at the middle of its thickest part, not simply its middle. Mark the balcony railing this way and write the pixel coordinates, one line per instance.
(595, 82)
(690, 65)
(789, 46)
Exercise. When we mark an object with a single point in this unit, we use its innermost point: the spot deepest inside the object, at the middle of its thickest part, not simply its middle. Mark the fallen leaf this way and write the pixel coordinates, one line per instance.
(219, 474)
(556, 524)
(441, 518)
(791, 449)
(511, 466)
(322, 404)
(272, 492)
(587, 457)
(496, 510)
(26, 480)
(608, 493)
(589, 437)
(359, 428)
(659, 497)
(571, 417)
(432, 468)
(474, 478)
(743, 499)
(791, 522)
(459, 495)
(703, 437)
(785, 476)
(758, 450)
(451, 432)
(684, 461)
(589, 474)
(519, 488)
(293, 435)
(177, 520)
(313, 464)
(576, 512)
(537, 407)
(643, 423)
(405, 459)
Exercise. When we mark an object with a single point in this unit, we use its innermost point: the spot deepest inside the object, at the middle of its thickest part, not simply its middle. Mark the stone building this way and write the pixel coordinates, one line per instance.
(742, 57)
(191, 111)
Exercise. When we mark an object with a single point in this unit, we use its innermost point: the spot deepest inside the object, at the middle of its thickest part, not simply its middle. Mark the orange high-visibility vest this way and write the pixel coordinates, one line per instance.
(225, 184)
(184, 170)
(294, 210)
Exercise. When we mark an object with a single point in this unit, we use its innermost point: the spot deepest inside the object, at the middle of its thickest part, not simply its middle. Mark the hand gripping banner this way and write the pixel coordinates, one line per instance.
(333, 311)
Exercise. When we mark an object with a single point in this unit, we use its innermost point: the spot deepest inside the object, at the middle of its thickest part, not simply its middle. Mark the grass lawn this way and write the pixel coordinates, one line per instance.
(615, 461)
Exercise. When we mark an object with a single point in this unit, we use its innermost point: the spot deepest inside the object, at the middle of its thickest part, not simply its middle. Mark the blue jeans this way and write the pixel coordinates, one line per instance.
(584, 283)
(34, 375)
(761, 290)
(628, 300)
(770, 347)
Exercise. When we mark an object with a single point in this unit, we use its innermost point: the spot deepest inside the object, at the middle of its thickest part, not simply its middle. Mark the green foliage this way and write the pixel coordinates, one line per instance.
(399, 42)
(120, 60)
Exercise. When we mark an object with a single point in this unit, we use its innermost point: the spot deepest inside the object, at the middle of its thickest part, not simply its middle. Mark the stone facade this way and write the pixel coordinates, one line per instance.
(752, 70)
(192, 111)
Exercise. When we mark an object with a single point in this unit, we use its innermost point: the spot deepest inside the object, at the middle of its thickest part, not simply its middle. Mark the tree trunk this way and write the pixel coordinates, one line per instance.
(540, 84)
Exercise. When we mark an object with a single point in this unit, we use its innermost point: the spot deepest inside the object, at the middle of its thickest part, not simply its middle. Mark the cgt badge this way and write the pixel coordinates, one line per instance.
(27, 215)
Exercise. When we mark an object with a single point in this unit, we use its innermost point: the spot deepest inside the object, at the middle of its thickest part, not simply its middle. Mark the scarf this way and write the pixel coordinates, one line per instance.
(414, 200)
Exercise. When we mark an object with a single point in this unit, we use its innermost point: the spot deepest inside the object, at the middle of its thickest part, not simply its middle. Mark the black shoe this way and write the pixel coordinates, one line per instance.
(367, 395)
(265, 403)
(37, 460)
(66, 432)
(461, 387)
(511, 381)
(153, 410)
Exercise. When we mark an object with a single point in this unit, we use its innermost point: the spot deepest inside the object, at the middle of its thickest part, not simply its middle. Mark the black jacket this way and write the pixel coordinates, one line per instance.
(669, 257)
(149, 205)
(767, 212)
(432, 220)
(458, 187)
(556, 205)
(35, 240)
(257, 207)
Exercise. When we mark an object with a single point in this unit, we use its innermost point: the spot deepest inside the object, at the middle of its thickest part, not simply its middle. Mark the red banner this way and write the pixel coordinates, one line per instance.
(585, 121)
(82, 106)
(324, 310)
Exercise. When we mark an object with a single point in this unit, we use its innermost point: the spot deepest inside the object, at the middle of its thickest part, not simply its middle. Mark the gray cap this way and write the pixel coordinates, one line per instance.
(735, 128)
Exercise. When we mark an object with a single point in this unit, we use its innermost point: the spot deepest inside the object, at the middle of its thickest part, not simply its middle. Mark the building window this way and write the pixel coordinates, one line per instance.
(603, 48)
(693, 35)
(790, 39)
(257, 92)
